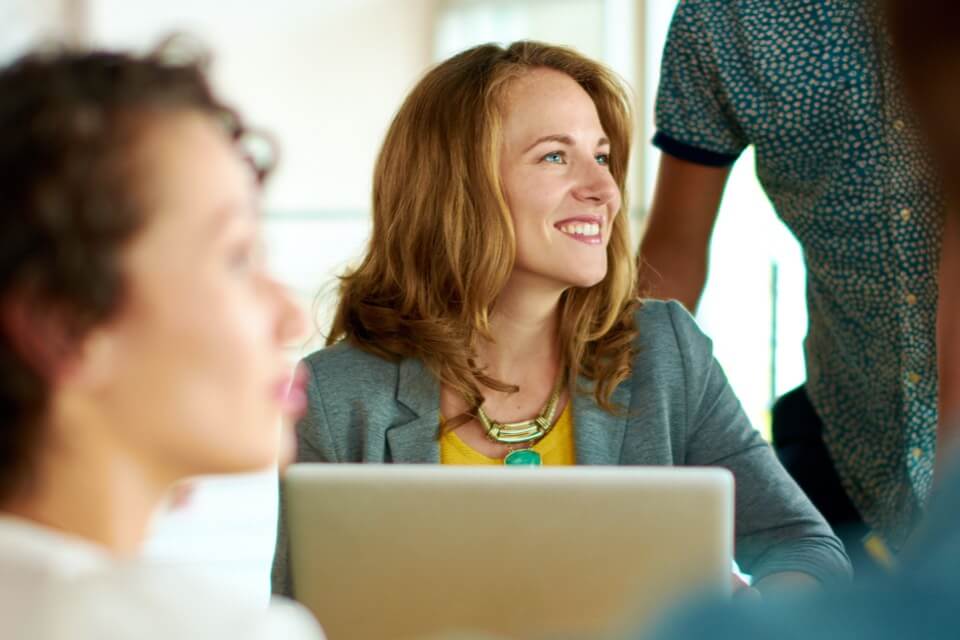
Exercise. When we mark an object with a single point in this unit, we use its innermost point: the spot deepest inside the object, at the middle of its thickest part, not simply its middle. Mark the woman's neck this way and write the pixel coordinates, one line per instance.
(524, 325)
(97, 494)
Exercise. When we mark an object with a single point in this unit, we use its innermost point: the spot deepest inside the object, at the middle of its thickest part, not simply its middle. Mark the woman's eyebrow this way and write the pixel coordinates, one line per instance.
(562, 138)
(553, 137)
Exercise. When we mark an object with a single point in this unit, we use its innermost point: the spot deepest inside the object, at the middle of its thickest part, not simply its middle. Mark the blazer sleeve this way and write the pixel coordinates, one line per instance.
(776, 526)
(314, 444)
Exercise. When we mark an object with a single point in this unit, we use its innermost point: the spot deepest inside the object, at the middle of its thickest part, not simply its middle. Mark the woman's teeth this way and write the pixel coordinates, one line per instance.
(581, 229)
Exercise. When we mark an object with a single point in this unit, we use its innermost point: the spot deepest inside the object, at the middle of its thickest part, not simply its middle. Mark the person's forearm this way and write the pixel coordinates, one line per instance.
(670, 269)
(672, 263)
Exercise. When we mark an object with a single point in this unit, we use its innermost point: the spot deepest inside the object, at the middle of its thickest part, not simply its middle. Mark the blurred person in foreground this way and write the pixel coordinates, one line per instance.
(919, 599)
(813, 88)
(141, 341)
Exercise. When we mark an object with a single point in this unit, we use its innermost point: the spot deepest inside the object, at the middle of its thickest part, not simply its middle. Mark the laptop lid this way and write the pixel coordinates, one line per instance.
(401, 551)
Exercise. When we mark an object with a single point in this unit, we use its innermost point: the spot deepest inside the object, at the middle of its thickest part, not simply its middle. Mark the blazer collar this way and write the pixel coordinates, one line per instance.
(416, 441)
(598, 434)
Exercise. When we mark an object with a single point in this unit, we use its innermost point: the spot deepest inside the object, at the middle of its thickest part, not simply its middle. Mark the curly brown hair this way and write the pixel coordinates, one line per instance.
(443, 245)
(68, 202)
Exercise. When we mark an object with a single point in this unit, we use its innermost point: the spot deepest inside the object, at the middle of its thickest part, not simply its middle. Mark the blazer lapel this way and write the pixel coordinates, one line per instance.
(416, 441)
(598, 434)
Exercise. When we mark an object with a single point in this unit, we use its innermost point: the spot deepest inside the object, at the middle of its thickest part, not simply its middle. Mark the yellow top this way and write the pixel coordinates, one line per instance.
(557, 448)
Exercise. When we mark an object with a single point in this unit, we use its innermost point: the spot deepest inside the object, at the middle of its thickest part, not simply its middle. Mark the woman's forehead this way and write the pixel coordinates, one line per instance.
(549, 102)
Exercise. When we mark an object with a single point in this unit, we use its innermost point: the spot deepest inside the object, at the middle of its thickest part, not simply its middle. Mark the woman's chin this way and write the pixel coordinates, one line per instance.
(251, 460)
(559, 279)
(587, 280)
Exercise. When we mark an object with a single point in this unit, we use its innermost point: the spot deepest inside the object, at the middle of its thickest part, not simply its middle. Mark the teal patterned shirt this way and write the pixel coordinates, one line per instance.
(811, 85)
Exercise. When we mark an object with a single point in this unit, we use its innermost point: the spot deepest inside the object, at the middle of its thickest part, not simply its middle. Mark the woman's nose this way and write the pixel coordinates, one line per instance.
(597, 185)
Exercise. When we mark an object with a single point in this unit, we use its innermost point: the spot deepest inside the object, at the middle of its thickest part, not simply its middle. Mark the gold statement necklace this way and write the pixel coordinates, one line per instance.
(513, 433)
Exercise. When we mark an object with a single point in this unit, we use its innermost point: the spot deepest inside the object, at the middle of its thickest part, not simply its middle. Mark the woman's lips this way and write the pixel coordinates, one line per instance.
(291, 393)
(586, 229)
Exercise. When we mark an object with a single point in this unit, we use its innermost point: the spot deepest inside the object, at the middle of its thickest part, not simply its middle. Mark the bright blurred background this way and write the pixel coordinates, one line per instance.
(325, 77)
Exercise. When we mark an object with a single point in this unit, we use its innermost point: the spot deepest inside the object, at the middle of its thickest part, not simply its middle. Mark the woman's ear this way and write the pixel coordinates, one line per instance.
(47, 340)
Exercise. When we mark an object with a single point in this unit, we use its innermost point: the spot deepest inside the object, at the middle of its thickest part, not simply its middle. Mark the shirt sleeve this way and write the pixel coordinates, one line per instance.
(777, 528)
(695, 118)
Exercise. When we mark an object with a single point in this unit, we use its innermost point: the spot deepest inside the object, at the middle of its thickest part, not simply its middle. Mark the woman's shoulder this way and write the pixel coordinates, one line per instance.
(664, 322)
(344, 370)
(345, 358)
(667, 336)
(652, 311)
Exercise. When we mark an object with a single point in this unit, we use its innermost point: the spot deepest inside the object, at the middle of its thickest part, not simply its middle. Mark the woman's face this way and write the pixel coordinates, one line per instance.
(556, 178)
(192, 374)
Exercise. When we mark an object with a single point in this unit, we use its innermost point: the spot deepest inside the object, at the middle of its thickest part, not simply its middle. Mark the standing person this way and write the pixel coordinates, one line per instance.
(141, 342)
(920, 599)
(493, 316)
(812, 87)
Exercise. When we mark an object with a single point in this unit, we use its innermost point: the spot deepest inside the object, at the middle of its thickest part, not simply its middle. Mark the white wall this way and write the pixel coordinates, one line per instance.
(25, 23)
(325, 77)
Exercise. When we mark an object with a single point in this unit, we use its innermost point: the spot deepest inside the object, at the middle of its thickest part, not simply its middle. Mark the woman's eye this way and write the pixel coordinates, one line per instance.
(555, 157)
(603, 159)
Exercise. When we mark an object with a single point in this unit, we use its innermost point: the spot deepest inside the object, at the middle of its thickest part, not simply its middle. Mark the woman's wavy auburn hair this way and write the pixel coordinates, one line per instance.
(443, 244)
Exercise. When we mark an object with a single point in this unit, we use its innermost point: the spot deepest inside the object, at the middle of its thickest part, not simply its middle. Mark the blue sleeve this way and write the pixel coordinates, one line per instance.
(695, 118)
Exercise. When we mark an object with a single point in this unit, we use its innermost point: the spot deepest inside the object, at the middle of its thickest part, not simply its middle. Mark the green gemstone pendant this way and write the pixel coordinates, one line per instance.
(527, 457)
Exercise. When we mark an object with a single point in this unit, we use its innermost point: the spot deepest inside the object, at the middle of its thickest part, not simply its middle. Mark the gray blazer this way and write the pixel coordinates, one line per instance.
(681, 411)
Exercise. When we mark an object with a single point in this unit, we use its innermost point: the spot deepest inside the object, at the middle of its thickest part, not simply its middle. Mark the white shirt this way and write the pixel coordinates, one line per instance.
(54, 587)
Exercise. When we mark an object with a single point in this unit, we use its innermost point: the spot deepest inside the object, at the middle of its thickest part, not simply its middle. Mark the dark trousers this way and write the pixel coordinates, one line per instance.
(798, 441)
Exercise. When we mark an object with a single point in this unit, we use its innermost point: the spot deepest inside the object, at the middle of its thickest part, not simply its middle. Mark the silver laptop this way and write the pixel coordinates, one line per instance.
(397, 551)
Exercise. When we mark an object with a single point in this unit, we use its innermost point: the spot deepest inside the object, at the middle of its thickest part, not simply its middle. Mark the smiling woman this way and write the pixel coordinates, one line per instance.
(435, 277)
(494, 318)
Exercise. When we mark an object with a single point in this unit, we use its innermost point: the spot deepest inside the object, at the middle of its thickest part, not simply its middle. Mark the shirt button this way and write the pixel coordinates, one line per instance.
(911, 299)
(913, 377)
(917, 453)
(905, 214)
(899, 125)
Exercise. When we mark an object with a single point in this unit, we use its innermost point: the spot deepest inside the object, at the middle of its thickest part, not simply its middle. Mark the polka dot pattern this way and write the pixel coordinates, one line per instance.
(812, 87)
